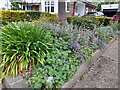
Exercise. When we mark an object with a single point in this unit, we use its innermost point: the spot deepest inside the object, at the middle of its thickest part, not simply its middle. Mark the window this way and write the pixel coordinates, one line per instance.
(49, 6)
(67, 6)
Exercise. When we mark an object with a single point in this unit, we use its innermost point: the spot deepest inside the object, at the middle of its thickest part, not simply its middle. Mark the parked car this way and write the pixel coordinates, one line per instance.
(95, 13)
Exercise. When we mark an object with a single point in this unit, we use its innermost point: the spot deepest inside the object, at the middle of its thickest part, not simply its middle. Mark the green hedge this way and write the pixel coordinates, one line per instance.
(102, 20)
(88, 22)
(18, 15)
(34, 15)
(12, 16)
(82, 22)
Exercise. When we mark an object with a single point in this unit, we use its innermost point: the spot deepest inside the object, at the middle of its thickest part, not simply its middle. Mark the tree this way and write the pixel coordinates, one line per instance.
(98, 8)
(61, 11)
(15, 4)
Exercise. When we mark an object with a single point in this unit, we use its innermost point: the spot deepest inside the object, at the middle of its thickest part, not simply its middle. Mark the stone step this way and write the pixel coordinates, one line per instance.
(17, 82)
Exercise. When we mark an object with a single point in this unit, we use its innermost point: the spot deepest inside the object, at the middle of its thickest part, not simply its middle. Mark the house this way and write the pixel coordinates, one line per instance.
(77, 7)
(72, 7)
(5, 4)
(109, 9)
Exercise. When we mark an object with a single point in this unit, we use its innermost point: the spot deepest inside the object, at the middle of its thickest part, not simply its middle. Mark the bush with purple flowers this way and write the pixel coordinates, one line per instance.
(71, 47)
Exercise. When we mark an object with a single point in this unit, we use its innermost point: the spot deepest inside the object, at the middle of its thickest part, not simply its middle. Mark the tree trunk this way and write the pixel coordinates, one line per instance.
(118, 12)
(61, 11)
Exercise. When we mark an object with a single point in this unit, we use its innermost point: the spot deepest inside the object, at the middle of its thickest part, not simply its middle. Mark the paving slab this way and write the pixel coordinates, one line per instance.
(17, 82)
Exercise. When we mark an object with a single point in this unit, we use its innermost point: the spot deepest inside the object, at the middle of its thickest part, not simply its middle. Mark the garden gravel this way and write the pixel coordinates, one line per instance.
(104, 72)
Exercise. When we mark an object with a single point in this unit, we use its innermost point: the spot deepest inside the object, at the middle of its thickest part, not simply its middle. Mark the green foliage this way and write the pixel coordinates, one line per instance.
(22, 43)
(12, 16)
(105, 33)
(86, 52)
(98, 8)
(15, 6)
(82, 22)
(101, 20)
(34, 15)
(60, 63)
(115, 25)
(17, 15)
(71, 18)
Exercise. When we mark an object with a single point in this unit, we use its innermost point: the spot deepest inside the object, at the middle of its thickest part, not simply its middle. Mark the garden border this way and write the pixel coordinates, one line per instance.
(83, 68)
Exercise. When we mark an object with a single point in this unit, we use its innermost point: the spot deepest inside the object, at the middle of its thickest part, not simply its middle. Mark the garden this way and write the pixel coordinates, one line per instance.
(46, 53)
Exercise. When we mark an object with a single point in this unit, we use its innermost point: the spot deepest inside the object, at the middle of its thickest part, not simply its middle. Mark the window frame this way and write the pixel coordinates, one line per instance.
(49, 4)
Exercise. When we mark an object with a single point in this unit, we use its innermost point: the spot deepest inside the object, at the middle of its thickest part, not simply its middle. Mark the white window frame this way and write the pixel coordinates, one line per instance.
(49, 6)
(66, 5)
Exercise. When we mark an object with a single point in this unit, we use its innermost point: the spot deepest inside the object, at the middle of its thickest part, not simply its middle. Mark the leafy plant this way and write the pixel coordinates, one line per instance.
(23, 44)
(60, 65)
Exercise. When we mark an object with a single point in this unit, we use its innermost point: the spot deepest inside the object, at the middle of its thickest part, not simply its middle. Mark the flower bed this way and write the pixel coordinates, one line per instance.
(50, 52)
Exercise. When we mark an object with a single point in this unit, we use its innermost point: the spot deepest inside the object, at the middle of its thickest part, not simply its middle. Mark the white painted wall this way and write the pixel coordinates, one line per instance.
(33, 1)
(80, 9)
(110, 6)
(5, 4)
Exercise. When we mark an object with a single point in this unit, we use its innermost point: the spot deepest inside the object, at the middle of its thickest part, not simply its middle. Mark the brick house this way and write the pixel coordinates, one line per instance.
(72, 7)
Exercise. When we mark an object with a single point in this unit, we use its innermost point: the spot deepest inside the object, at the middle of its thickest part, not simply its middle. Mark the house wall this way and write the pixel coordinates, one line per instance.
(80, 9)
(5, 4)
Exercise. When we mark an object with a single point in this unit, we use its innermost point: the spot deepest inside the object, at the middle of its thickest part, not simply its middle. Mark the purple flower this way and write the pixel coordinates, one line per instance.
(57, 56)
(53, 65)
(56, 77)
(75, 45)
(49, 79)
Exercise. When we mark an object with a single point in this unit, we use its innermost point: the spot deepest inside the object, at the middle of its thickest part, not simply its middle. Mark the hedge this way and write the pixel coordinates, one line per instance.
(89, 20)
(85, 22)
(103, 20)
(19, 15)
(13, 16)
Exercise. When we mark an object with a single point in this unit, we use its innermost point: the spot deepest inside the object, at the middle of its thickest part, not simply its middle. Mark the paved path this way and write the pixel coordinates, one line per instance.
(104, 72)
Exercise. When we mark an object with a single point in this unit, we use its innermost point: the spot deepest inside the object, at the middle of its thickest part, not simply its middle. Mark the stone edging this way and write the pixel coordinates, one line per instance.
(85, 66)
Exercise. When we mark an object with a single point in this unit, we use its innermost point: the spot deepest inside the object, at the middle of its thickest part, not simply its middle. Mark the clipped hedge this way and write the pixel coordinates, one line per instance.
(13, 15)
(34, 15)
(19, 15)
(103, 20)
(82, 22)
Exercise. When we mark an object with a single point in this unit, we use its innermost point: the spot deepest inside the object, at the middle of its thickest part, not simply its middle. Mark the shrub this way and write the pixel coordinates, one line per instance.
(34, 15)
(23, 43)
(71, 18)
(81, 22)
(102, 20)
(49, 75)
(18, 15)
(12, 16)
(48, 17)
